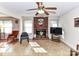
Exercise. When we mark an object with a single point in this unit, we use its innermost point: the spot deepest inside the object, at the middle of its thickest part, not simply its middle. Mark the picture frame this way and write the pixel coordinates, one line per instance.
(76, 22)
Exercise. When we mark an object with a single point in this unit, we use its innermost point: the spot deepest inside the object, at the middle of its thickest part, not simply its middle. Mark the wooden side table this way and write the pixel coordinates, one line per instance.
(76, 53)
(77, 47)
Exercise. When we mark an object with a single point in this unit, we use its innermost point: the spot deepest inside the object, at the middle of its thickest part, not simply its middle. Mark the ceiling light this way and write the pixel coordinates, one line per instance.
(40, 11)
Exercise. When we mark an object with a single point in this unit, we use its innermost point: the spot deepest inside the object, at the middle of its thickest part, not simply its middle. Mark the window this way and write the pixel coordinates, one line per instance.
(54, 23)
(6, 26)
(28, 26)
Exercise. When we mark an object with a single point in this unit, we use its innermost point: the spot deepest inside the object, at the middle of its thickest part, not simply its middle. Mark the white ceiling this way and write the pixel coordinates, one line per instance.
(19, 8)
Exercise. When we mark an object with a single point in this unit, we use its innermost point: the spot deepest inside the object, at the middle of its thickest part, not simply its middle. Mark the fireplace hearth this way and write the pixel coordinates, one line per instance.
(41, 33)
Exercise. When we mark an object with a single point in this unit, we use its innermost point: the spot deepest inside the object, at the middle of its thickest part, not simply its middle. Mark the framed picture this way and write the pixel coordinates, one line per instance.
(76, 22)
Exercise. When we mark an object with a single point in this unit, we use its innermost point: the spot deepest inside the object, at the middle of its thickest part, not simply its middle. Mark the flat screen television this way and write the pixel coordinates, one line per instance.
(56, 30)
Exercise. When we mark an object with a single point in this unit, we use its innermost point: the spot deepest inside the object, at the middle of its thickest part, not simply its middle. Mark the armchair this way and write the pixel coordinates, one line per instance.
(24, 35)
(12, 37)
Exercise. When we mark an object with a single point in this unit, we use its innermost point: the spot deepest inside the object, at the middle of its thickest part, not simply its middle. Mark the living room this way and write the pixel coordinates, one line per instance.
(22, 17)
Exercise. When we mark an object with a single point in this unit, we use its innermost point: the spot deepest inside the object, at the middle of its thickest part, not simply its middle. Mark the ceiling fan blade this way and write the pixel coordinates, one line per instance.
(32, 9)
(36, 13)
(39, 4)
(51, 8)
(52, 12)
(46, 12)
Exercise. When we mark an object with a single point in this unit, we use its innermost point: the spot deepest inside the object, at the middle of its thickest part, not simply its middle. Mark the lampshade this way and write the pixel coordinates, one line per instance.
(40, 11)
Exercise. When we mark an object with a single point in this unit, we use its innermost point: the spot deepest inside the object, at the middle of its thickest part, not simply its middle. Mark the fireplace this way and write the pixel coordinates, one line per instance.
(40, 27)
(41, 33)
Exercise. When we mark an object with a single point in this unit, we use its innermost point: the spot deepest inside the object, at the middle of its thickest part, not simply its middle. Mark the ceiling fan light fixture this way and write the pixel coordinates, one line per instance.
(40, 11)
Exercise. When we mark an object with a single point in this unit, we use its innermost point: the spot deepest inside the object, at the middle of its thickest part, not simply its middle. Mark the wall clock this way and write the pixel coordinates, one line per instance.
(40, 21)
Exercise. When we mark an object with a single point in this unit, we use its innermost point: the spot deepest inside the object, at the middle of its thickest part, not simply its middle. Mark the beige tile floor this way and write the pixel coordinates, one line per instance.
(25, 49)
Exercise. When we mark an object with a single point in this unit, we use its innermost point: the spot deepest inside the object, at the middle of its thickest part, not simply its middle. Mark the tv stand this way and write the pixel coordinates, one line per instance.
(55, 37)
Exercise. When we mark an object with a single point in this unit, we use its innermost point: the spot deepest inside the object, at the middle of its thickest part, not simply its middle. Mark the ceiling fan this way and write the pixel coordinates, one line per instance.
(42, 9)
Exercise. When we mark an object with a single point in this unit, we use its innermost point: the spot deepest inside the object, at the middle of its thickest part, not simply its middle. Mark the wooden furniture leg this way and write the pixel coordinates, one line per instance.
(77, 47)
(71, 52)
(76, 54)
